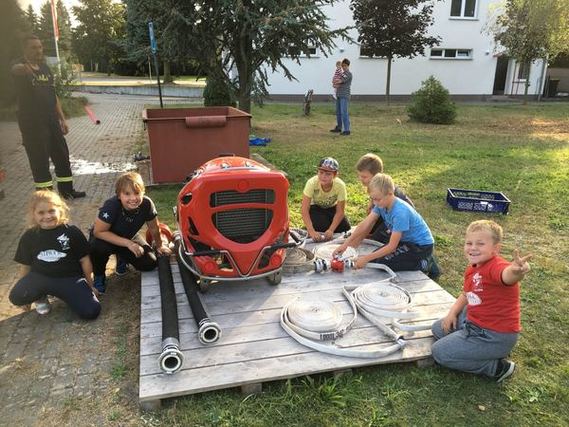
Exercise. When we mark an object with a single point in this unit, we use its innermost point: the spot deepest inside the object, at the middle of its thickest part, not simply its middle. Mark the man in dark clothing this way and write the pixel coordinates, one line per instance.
(41, 120)
(343, 90)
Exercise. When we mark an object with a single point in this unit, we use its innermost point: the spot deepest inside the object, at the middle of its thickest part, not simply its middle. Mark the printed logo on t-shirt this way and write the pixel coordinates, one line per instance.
(105, 215)
(64, 242)
(477, 283)
(473, 299)
(51, 255)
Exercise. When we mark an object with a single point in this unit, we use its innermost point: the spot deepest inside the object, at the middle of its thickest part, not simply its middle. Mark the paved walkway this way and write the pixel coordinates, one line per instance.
(58, 369)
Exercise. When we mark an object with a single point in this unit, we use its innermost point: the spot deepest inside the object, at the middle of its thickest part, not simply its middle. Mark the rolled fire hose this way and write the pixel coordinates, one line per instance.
(208, 330)
(171, 358)
(310, 322)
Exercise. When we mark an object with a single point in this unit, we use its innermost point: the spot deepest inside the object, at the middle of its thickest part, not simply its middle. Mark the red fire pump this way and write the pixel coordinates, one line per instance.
(233, 219)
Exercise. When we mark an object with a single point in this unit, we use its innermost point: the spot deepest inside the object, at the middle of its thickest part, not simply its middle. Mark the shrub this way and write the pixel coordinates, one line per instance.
(63, 79)
(431, 104)
(217, 92)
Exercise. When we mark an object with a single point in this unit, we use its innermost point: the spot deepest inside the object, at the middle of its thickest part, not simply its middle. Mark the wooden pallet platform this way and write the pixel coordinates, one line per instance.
(253, 347)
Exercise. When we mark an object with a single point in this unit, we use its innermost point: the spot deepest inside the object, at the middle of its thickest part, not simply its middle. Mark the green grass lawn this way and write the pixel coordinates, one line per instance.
(522, 151)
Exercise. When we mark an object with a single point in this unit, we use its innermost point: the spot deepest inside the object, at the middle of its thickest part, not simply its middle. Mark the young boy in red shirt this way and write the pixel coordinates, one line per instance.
(482, 326)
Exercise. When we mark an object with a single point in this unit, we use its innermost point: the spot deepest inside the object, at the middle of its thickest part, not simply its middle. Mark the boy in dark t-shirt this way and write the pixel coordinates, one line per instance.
(117, 225)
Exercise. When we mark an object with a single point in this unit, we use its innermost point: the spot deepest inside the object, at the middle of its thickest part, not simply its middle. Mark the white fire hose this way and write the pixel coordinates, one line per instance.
(312, 322)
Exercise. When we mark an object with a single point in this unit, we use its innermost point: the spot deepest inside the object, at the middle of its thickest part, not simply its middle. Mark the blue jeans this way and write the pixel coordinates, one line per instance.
(342, 113)
(471, 348)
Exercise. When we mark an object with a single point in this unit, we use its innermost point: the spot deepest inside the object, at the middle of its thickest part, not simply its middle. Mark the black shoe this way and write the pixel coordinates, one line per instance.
(505, 369)
(433, 270)
(73, 194)
(345, 133)
(336, 130)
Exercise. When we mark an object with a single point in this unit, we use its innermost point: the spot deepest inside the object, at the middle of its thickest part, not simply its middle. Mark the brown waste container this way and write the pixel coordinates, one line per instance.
(182, 139)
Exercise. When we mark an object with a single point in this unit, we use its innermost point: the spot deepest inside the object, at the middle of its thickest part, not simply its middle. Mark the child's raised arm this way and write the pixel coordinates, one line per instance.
(517, 270)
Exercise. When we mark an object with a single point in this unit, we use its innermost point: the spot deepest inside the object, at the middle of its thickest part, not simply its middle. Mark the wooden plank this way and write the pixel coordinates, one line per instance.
(219, 303)
(320, 282)
(242, 351)
(230, 320)
(237, 374)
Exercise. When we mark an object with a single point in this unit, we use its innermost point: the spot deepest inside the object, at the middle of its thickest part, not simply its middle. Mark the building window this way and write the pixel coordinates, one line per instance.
(463, 8)
(451, 53)
(366, 52)
(310, 51)
(523, 71)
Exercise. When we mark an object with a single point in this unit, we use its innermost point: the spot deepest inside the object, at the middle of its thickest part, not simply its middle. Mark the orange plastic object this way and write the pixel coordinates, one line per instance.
(165, 233)
(236, 205)
(182, 139)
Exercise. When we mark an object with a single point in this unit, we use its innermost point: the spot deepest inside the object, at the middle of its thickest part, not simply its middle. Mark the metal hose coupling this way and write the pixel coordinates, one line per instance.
(171, 358)
(208, 331)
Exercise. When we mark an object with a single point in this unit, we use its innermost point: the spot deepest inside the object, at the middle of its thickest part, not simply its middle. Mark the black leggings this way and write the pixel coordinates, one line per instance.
(102, 250)
(408, 257)
(74, 291)
(322, 218)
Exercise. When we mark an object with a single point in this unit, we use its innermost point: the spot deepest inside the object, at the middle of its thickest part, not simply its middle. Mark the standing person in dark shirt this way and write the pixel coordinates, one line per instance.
(41, 120)
(55, 260)
(116, 229)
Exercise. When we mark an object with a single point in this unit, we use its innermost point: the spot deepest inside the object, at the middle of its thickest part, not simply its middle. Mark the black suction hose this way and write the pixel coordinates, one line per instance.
(208, 330)
(171, 358)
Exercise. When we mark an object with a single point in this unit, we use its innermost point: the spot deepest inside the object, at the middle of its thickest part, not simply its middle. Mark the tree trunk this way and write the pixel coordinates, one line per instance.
(526, 89)
(167, 76)
(388, 81)
(244, 96)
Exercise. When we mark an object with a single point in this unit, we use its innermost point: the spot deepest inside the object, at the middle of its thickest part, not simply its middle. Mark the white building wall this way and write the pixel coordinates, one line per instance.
(473, 76)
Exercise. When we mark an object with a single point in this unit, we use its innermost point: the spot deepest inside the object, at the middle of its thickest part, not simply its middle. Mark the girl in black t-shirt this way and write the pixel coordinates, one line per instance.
(116, 229)
(55, 260)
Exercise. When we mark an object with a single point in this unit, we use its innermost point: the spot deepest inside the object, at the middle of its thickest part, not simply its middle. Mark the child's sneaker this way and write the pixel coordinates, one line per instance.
(505, 369)
(99, 284)
(43, 306)
(122, 267)
(434, 272)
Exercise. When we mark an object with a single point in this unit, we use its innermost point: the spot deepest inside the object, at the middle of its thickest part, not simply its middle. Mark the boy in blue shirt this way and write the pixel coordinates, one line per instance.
(410, 243)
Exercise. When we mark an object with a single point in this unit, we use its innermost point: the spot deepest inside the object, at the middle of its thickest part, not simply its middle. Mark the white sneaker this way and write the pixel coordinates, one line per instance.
(43, 306)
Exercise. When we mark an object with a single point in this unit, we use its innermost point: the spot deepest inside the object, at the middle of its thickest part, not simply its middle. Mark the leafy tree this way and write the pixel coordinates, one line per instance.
(250, 37)
(96, 40)
(12, 22)
(533, 29)
(393, 29)
(432, 104)
(45, 29)
(138, 14)
(32, 19)
(64, 25)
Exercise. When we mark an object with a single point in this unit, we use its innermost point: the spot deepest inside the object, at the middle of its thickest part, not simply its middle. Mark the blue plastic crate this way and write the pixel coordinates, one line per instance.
(478, 201)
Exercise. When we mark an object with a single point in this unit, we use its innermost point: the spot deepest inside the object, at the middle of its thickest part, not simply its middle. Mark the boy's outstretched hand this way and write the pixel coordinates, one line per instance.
(520, 264)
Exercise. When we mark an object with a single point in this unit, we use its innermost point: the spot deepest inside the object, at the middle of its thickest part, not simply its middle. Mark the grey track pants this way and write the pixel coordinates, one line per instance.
(470, 348)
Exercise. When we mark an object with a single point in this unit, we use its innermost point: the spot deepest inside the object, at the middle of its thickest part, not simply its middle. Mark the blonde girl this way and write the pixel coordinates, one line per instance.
(55, 260)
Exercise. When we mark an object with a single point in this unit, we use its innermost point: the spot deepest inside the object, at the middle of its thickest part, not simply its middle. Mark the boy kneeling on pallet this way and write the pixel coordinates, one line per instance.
(482, 326)
(410, 245)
